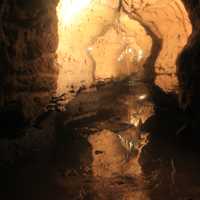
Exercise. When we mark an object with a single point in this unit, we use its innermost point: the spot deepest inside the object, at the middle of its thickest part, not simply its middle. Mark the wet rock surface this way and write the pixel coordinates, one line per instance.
(90, 160)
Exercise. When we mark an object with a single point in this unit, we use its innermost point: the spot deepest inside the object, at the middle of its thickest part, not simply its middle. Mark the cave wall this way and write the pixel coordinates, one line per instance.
(28, 42)
(111, 47)
(168, 20)
(29, 74)
(76, 66)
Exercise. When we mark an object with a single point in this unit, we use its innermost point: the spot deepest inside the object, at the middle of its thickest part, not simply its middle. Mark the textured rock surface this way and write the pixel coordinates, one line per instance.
(170, 23)
(122, 50)
(28, 41)
(28, 44)
(112, 46)
(76, 68)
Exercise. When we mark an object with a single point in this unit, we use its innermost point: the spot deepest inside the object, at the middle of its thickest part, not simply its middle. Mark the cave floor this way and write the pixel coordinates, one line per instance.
(169, 161)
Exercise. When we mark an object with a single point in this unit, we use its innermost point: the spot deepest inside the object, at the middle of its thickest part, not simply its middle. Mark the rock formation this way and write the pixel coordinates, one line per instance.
(29, 42)
(170, 25)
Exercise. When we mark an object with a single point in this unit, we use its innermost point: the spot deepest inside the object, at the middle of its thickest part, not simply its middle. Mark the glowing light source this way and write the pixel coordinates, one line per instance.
(68, 8)
(140, 55)
(142, 97)
(89, 49)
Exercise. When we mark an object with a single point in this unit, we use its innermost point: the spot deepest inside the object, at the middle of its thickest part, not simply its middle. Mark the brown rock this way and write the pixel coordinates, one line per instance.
(170, 23)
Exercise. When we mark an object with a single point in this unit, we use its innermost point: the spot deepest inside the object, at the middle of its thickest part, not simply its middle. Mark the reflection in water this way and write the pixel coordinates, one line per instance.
(116, 154)
(94, 160)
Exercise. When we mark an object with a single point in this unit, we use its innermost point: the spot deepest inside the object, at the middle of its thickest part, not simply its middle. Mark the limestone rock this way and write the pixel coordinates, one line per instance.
(170, 23)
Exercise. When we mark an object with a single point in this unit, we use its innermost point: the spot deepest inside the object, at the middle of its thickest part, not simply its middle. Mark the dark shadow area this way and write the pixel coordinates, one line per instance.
(188, 70)
(12, 122)
(170, 161)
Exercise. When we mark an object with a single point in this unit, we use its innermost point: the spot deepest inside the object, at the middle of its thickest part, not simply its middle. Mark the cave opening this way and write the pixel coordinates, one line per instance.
(99, 99)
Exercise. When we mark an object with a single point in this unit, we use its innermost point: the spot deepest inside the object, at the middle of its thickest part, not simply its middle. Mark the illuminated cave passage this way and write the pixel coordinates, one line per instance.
(111, 47)
(99, 99)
